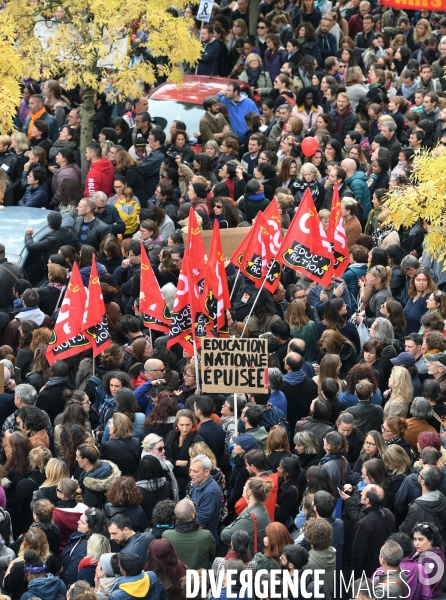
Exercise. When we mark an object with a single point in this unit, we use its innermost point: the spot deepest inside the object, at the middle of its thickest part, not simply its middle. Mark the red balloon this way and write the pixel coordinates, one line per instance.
(309, 146)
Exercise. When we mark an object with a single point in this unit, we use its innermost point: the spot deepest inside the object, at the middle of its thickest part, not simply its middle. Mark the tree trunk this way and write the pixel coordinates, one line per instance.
(253, 16)
(87, 114)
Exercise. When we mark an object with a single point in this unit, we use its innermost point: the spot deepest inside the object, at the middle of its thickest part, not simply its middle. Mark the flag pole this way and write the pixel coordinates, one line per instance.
(93, 365)
(235, 414)
(198, 390)
(235, 283)
(257, 297)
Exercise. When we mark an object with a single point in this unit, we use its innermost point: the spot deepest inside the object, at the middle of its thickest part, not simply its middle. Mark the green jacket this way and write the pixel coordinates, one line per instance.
(263, 83)
(260, 434)
(266, 563)
(196, 549)
(245, 521)
(372, 220)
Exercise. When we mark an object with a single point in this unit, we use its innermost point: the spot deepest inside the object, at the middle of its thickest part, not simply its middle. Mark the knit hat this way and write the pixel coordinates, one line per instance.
(246, 441)
(200, 190)
(105, 562)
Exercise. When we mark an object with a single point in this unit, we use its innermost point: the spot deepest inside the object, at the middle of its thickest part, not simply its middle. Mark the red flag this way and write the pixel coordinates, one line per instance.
(95, 317)
(67, 337)
(272, 238)
(156, 315)
(254, 264)
(336, 235)
(305, 247)
(274, 220)
(215, 292)
(196, 249)
(188, 321)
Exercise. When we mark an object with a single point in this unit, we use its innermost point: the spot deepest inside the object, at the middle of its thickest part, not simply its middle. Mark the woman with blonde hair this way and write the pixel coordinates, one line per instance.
(373, 447)
(294, 125)
(177, 444)
(55, 471)
(333, 342)
(277, 447)
(422, 31)
(14, 583)
(97, 545)
(354, 82)
(357, 153)
(307, 448)
(255, 493)
(398, 464)
(127, 167)
(217, 474)
(212, 149)
(301, 327)
(256, 77)
(309, 178)
(399, 395)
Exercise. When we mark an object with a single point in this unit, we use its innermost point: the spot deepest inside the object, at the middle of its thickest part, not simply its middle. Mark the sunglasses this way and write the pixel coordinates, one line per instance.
(160, 449)
(218, 206)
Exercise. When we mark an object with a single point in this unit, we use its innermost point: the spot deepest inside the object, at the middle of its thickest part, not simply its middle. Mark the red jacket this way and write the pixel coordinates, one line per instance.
(100, 178)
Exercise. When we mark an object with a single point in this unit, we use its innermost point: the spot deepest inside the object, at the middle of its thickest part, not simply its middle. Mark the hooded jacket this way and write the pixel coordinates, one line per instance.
(96, 482)
(49, 587)
(36, 197)
(326, 560)
(145, 586)
(71, 171)
(300, 391)
(237, 112)
(410, 490)
(431, 508)
(100, 178)
(358, 185)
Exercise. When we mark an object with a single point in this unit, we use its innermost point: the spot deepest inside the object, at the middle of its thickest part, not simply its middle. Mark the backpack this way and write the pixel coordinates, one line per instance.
(273, 416)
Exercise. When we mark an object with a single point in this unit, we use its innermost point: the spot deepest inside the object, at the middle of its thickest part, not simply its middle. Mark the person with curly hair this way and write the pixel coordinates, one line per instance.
(163, 517)
(225, 212)
(124, 497)
(71, 437)
(319, 535)
(111, 383)
(75, 413)
(357, 373)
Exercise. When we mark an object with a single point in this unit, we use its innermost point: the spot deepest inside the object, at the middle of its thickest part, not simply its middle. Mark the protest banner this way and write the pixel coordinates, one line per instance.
(230, 239)
(230, 365)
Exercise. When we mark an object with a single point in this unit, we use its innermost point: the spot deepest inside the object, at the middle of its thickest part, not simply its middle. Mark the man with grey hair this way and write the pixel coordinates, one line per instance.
(277, 398)
(421, 411)
(107, 213)
(388, 130)
(430, 507)
(410, 264)
(24, 395)
(206, 495)
(437, 368)
(194, 546)
(389, 573)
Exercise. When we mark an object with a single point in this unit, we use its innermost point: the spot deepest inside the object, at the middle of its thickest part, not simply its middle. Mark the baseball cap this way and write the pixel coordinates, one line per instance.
(405, 359)
(246, 441)
(439, 357)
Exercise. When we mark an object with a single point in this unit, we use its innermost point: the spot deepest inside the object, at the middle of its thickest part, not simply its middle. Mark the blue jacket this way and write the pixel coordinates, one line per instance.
(138, 544)
(52, 124)
(72, 554)
(358, 185)
(314, 299)
(351, 276)
(327, 45)
(278, 399)
(208, 63)
(145, 586)
(110, 216)
(351, 400)
(208, 500)
(237, 112)
(37, 197)
(48, 587)
(150, 169)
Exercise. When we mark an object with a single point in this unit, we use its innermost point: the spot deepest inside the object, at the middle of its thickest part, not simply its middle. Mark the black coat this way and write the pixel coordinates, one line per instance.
(7, 407)
(237, 480)
(371, 532)
(51, 398)
(299, 398)
(134, 512)
(151, 497)
(51, 243)
(135, 180)
(52, 533)
(175, 452)
(125, 453)
(287, 504)
(7, 282)
(22, 516)
(48, 299)
(15, 583)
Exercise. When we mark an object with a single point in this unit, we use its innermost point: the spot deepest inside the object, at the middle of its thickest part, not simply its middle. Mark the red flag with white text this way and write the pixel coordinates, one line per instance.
(215, 292)
(67, 337)
(336, 235)
(196, 250)
(254, 264)
(305, 247)
(95, 317)
(156, 315)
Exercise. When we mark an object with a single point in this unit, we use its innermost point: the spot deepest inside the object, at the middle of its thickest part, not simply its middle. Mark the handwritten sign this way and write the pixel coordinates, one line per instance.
(204, 10)
(231, 365)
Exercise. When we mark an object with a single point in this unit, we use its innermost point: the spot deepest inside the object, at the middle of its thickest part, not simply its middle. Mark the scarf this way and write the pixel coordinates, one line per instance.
(34, 117)
(409, 91)
(233, 554)
(152, 484)
(152, 242)
(256, 197)
(394, 440)
(182, 527)
(253, 76)
(379, 234)
(302, 41)
(329, 457)
(168, 467)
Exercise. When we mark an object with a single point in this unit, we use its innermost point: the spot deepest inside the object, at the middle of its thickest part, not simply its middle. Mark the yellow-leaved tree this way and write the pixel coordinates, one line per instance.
(10, 72)
(83, 42)
(424, 198)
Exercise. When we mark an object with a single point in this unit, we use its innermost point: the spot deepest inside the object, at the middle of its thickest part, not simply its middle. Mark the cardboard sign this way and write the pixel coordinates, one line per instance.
(204, 10)
(230, 365)
(230, 239)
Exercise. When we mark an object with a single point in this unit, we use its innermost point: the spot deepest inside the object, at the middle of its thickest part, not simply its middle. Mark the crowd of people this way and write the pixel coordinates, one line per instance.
(117, 477)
